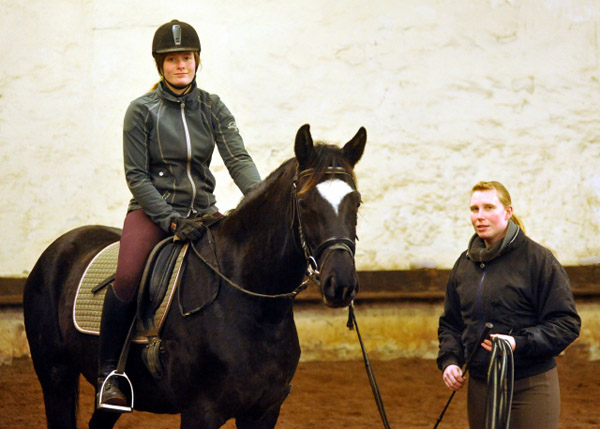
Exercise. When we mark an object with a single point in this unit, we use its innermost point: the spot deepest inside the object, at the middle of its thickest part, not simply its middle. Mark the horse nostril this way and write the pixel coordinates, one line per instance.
(349, 294)
(337, 294)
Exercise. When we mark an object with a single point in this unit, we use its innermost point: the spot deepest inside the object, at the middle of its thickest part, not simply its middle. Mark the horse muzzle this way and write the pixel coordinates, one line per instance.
(338, 279)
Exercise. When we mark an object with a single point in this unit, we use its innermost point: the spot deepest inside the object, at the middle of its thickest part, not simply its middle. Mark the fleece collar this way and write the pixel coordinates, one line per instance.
(477, 251)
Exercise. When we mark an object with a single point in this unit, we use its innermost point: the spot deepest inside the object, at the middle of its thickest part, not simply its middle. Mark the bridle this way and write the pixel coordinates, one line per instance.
(334, 243)
(312, 267)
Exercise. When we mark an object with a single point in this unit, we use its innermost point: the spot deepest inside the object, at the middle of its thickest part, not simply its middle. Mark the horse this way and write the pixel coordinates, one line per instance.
(236, 357)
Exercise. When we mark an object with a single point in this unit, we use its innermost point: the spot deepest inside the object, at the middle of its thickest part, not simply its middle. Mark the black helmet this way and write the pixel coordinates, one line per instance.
(175, 36)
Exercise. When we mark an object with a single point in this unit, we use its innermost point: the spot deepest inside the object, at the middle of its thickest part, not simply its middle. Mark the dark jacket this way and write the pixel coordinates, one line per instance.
(524, 292)
(168, 143)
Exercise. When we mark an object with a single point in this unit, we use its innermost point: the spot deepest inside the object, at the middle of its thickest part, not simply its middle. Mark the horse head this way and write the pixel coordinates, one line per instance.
(327, 208)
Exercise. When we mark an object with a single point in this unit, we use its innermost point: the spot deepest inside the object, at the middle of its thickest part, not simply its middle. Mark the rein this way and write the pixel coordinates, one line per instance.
(312, 267)
(216, 270)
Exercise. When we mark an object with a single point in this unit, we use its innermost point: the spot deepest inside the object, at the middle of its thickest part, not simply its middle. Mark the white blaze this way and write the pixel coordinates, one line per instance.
(334, 192)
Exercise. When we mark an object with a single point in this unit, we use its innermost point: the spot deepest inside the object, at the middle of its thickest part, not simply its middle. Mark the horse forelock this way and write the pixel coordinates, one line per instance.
(325, 157)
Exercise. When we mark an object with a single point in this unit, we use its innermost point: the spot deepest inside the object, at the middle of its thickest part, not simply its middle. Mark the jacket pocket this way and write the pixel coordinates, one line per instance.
(162, 180)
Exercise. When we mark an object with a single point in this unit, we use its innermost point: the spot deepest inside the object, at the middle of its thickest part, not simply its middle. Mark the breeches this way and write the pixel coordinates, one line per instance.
(140, 235)
(535, 405)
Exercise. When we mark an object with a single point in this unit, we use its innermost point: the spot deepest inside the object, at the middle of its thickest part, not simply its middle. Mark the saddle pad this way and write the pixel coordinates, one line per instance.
(87, 310)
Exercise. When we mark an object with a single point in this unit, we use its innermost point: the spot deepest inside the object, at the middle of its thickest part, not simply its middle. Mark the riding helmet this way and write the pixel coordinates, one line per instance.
(175, 36)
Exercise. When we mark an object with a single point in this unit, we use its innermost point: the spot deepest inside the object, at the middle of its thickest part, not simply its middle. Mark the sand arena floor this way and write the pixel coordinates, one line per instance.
(328, 395)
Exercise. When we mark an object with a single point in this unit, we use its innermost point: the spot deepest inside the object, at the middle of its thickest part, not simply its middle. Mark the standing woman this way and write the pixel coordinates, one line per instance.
(507, 279)
(169, 136)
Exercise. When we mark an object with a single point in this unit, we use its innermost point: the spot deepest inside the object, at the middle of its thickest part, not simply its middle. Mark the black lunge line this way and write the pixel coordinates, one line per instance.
(500, 381)
(352, 325)
(486, 331)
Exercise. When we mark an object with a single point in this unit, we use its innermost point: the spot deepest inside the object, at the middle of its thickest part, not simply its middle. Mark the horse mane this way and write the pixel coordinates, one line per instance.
(263, 195)
(287, 169)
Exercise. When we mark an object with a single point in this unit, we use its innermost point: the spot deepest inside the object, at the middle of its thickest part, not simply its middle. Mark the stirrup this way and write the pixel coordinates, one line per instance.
(120, 408)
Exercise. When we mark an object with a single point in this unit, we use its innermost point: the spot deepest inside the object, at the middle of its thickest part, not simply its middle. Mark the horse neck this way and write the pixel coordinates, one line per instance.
(264, 235)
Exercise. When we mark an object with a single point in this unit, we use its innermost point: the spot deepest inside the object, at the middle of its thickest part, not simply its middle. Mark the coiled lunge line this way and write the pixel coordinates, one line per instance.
(500, 382)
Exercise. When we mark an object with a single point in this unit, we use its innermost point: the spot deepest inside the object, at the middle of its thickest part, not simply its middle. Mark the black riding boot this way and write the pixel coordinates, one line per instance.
(117, 317)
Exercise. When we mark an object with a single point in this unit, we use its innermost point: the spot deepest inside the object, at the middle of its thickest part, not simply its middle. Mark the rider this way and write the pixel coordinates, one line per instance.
(169, 136)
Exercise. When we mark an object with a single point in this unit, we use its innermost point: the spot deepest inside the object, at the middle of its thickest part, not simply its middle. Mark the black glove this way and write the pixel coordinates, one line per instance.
(187, 229)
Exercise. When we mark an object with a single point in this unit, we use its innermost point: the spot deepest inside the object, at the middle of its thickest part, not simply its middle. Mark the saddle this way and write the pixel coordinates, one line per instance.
(160, 282)
(162, 273)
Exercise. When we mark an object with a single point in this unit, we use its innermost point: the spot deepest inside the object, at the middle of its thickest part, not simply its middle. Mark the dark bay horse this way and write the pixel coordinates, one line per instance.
(235, 358)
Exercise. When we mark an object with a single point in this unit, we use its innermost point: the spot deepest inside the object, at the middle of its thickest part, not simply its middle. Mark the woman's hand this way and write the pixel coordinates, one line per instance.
(187, 229)
(487, 344)
(453, 377)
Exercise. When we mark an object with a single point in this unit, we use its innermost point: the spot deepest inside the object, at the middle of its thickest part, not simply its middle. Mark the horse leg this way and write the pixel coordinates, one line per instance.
(266, 421)
(193, 419)
(60, 385)
(57, 374)
(103, 419)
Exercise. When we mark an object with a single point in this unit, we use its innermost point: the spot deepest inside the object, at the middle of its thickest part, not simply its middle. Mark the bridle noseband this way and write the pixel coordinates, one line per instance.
(333, 243)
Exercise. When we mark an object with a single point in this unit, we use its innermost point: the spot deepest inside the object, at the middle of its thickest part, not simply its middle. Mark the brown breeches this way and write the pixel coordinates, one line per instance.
(140, 235)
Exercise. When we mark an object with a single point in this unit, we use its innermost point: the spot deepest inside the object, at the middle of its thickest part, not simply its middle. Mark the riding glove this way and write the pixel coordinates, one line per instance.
(187, 229)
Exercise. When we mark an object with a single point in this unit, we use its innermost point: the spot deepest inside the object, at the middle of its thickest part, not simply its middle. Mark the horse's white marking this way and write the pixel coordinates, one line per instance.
(334, 192)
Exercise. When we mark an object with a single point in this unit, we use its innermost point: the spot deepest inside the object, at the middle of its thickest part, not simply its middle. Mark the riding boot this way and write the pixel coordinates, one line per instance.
(117, 317)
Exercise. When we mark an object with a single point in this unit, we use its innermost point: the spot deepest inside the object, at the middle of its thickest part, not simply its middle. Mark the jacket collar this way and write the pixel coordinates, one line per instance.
(477, 251)
(190, 99)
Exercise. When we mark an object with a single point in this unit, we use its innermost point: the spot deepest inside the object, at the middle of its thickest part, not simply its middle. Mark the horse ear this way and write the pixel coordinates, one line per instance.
(304, 146)
(354, 149)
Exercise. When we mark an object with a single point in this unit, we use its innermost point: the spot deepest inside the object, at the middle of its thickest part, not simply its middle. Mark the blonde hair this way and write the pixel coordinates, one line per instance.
(160, 59)
(503, 196)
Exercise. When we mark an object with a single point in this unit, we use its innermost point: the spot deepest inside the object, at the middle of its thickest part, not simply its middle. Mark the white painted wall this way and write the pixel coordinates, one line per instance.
(450, 93)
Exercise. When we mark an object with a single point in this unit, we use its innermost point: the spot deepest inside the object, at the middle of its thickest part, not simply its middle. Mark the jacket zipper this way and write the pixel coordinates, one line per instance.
(188, 143)
(480, 299)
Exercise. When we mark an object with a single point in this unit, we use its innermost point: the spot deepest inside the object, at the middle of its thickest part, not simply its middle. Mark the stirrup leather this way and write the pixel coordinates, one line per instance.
(124, 409)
